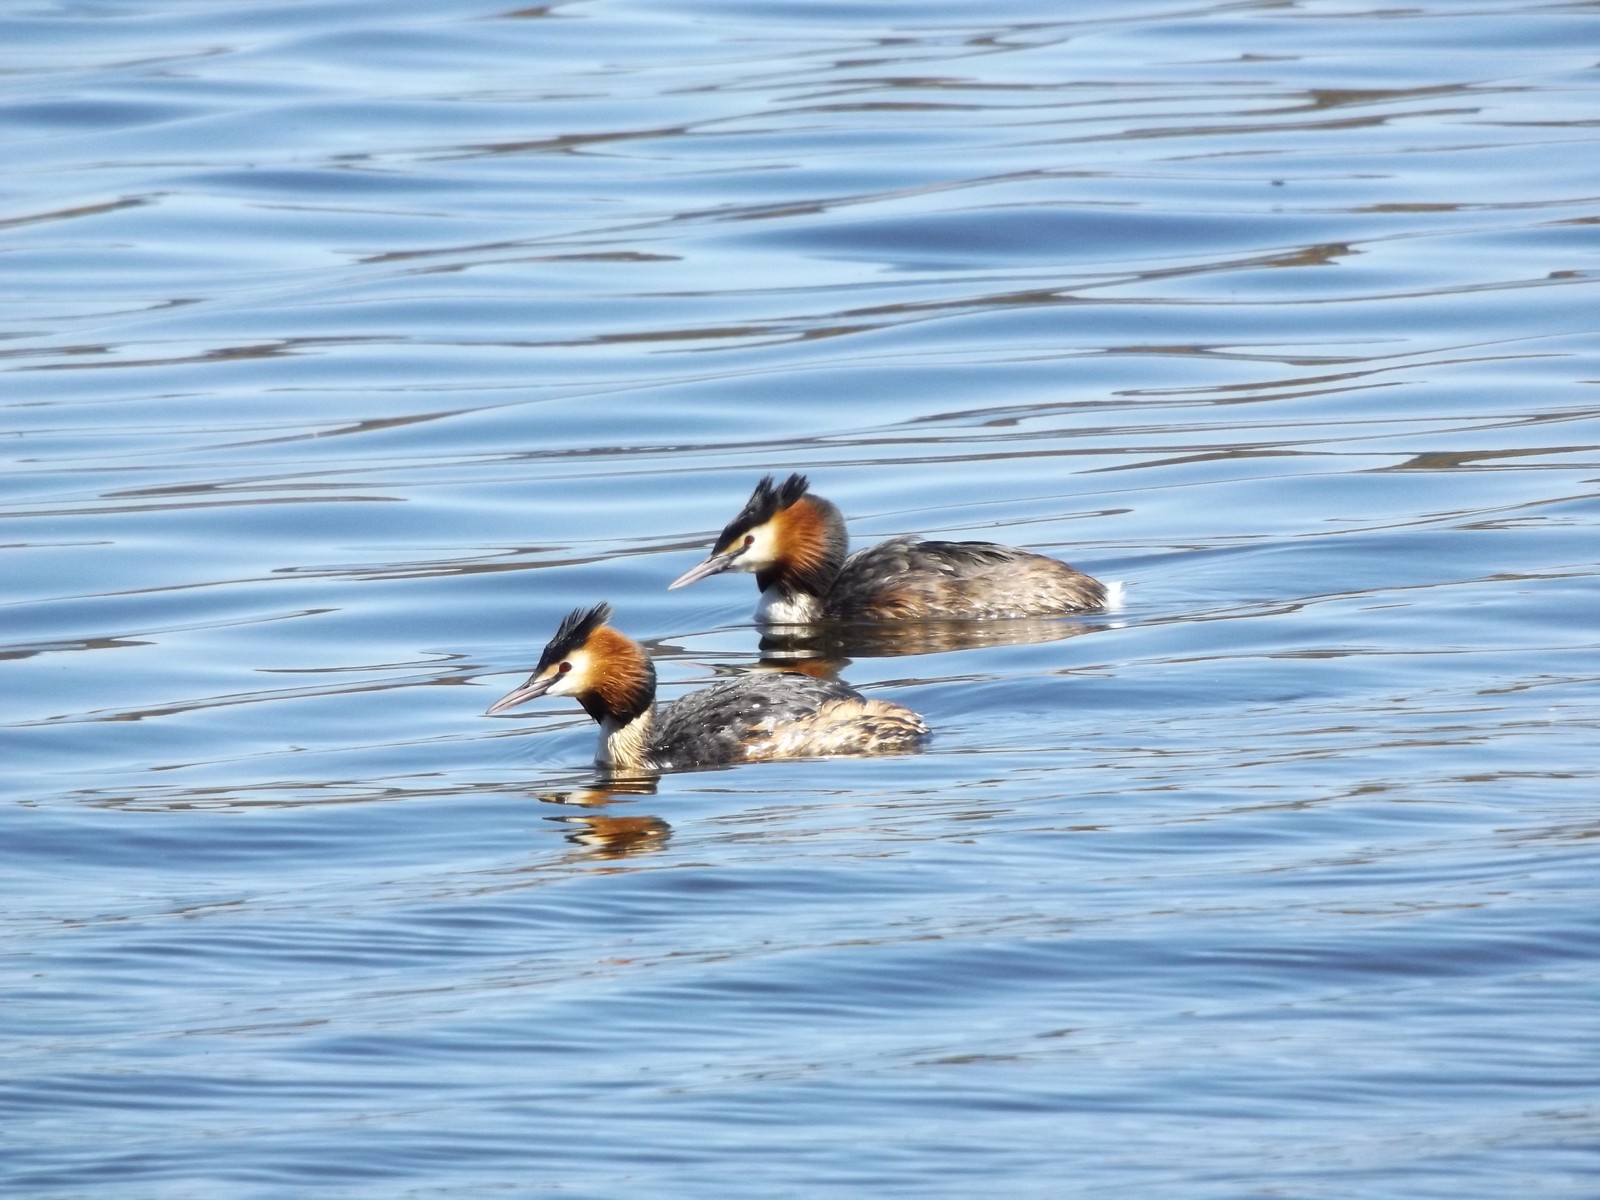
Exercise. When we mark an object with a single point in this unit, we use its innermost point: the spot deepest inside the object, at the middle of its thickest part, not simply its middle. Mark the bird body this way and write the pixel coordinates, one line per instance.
(795, 544)
(748, 718)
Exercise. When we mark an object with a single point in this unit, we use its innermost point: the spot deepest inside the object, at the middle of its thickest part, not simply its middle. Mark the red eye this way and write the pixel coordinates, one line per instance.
(564, 668)
(749, 539)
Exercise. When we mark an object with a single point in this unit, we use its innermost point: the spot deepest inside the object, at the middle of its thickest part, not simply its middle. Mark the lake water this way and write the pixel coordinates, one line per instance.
(345, 346)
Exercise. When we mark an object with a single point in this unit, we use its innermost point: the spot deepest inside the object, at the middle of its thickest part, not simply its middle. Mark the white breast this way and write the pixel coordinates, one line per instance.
(778, 608)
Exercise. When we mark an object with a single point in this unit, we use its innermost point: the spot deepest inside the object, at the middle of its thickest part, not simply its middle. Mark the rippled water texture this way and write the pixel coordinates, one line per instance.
(344, 347)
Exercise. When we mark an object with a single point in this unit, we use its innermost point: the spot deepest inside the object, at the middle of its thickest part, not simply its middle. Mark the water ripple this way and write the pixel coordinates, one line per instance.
(346, 348)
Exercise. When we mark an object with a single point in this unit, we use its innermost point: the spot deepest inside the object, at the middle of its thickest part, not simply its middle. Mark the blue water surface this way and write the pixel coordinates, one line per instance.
(345, 347)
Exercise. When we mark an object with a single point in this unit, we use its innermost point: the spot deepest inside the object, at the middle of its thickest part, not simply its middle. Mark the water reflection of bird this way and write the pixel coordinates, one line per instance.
(605, 835)
(617, 837)
(795, 544)
(799, 647)
(748, 718)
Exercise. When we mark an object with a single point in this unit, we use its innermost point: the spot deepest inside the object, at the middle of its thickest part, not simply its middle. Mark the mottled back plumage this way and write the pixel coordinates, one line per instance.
(772, 714)
(911, 578)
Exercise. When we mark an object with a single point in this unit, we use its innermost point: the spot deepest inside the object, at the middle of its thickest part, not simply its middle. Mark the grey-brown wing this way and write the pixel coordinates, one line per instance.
(720, 723)
(911, 578)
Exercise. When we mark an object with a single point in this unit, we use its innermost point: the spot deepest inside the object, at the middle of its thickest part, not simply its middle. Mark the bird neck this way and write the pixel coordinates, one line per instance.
(814, 544)
(620, 696)
(625, 745)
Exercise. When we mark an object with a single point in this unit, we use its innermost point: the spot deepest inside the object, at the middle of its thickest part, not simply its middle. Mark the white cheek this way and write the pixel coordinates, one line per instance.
(571, 682)
(762, 552)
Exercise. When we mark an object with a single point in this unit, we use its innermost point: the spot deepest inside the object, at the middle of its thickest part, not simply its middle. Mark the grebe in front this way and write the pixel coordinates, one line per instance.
(794, 542)
(748, 718)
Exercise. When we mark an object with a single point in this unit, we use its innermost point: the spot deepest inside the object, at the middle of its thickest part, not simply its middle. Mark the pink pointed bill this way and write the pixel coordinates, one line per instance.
(714, 565)
(530, 690)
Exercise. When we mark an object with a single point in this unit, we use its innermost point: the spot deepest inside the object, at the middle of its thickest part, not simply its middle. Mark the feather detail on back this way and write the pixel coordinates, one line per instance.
(768, 715)
(907, 578)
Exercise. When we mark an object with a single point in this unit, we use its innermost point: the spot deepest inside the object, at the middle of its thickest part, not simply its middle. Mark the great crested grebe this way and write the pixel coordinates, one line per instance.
(748, 718)
(795, 544)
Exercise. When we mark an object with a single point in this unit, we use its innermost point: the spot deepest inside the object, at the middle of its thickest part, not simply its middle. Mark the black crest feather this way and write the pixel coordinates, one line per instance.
(573, 632)
(767, 501)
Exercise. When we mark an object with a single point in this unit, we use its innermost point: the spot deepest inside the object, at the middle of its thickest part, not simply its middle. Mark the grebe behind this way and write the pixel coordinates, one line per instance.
(795, 544)
(748, 718)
